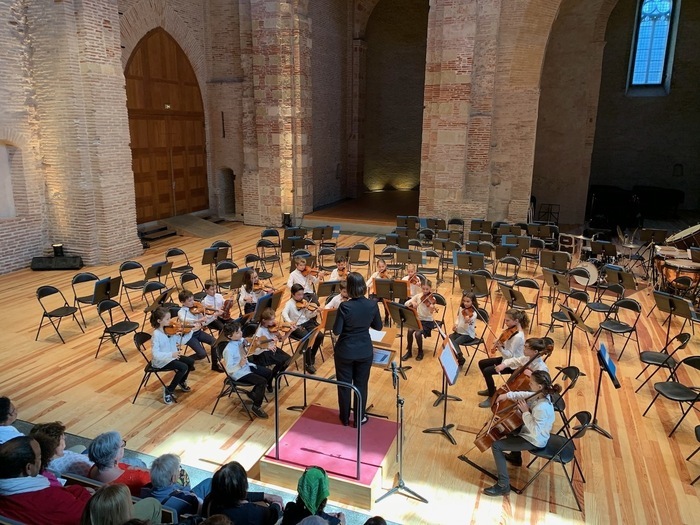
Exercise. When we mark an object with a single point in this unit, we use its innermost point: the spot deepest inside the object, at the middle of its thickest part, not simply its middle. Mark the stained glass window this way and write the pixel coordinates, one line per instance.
(652, 42)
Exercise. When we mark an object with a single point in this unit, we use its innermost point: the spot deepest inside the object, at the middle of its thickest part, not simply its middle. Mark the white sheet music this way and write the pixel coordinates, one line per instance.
(376, 335)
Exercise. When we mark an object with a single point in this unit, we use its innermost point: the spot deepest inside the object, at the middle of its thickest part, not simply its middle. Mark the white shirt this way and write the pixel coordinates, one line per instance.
(514, 346)
(188, 318)
(163, 346)
(215, 302)
(71, 463)
(336, 277)
(516, 362)
(263, 333)
(233, 355)
(244, 295)
(7, 432)
(466, 326)
(538, 423)
(296, 277)
(334, 302)
(413, 289)
(424, 313)
(291, 314)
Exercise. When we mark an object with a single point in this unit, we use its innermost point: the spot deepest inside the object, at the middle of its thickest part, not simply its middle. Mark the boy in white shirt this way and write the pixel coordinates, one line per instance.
(301, 314)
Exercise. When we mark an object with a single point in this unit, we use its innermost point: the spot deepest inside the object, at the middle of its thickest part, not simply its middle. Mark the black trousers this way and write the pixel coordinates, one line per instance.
(488, 370)
(181, 366)
(356, 372)
(460, 339)
(259, 378)
(278, 360)
(301, 332)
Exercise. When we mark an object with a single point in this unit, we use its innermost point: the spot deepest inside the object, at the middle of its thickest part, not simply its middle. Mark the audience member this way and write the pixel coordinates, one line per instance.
(376, 520)
(111, 505)
(228, 497)
(26, 496)
(107, 451)
(46, 447)
(313, 520)
(217, 519)
(165, 486)
(61, 460)
(8, 415)
(313, 494)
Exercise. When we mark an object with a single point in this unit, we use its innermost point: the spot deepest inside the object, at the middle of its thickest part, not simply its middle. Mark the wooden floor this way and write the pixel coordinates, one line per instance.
(373, 207)
(639, 477)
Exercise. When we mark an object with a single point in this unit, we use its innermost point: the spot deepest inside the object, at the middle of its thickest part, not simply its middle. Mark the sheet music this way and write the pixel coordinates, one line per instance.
(376, 335)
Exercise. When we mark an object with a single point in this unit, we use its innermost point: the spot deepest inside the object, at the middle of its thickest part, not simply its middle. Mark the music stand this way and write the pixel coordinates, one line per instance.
(406, 256)
(106, 289)
(157, 303)
(238, 277)
(327, 288)
(263, 303)
(650, 237)
(450, 372)
(673, 305)
(158, 270)
(212, 256)
(300, 351)
(310, 262)
(403, 316)
(606, 365)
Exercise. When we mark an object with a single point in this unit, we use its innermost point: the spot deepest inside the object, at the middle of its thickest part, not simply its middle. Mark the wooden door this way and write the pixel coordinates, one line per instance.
(166, 121)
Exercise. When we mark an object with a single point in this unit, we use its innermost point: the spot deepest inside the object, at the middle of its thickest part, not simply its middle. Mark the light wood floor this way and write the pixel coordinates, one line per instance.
(639, 477)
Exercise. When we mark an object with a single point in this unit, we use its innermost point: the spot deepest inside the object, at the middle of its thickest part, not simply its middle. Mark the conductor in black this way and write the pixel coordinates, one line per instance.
(354, 351)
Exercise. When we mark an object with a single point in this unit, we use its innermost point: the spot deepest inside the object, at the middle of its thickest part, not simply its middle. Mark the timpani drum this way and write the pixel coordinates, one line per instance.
(685, 239)
(592, 274)
(672, 269)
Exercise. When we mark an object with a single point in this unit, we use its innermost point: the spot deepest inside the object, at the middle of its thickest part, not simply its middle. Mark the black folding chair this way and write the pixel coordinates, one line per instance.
(117, 324)
(78, 279)
(230, 385)
(140, 340)
(61, 311)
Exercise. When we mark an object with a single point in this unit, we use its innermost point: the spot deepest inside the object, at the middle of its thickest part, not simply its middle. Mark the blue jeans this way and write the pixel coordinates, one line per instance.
(513, 444)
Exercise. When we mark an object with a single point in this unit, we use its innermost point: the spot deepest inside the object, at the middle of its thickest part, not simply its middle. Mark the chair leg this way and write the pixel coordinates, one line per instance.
(41, 324)
(652, 402)
(690, 407)
(647, 379)
(144, 380)
(696, 451)
(693, 482)
(571, 484)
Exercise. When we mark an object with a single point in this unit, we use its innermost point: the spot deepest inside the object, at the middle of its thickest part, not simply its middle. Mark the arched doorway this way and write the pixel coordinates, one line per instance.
(166, 122)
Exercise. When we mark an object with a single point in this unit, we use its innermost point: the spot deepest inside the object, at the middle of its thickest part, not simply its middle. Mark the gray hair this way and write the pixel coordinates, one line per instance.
(163, 469)
(103, 450)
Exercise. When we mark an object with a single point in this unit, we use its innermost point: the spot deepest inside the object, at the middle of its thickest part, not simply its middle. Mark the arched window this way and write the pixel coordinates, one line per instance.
(653, 44)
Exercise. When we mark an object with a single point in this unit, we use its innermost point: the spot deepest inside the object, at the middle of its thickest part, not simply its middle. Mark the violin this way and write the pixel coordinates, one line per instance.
(259, 287)
(414, 280)
(505, 336)
(383, 274)
(197, 308)
(226, 309)
(177, 327)
(309, 271)
(428, 299)
(283, 328)
(304, 304)
(468, 313)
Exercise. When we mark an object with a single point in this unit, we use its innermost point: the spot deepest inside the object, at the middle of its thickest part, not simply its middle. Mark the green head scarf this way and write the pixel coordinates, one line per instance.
(313, 488)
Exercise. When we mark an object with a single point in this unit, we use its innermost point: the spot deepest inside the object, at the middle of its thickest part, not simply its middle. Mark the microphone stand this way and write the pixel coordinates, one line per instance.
(400, 484)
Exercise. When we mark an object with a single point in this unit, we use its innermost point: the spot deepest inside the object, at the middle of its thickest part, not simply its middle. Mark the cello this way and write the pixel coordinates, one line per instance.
(507, 418)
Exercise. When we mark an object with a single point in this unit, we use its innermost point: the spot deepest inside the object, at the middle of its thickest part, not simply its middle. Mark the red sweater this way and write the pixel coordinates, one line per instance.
(55, 505)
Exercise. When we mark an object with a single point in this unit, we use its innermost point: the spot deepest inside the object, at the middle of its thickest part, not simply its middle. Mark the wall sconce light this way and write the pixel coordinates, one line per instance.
(167, 106)
(57, 250)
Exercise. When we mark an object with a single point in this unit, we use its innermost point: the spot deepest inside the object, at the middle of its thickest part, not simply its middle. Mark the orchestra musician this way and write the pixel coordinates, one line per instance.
(338, 298)
(464, 329)
(251, 291)
(354, 351)
(214, 304)
(424, 303)
(414, 280)
(270, 354)
(380, 273)
(165, 354)
(538, 419)
(306, 277)
(534, 349)
(510, 343)
(340, 272)
(189, 316)
(301, 314)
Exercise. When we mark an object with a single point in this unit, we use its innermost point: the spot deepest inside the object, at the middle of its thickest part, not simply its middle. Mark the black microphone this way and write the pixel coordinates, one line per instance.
(394, 374)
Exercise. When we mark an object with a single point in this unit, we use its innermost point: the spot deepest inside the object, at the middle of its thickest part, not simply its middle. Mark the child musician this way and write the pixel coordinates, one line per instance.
(464, 329)
(413, 279)
(424, 303)
(239, 369)
(538, 419)
(338, 298)
(306, 278)
(301, 314)
(380, 273)
(197, 321)
(340, 273)
(270, 354)
(166, 356)
(214, 301)
(511, 344)
(533, 351)
(251, 291)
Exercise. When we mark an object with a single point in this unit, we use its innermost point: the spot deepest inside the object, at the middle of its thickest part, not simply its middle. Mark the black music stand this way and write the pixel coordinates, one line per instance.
(450, 372)
(106, 288)
(673, 305)
(327, 288)
(300, 352)
(212, 257)
(606, 365)
(158, 270)
(403, 316)
(238, 277)
(649, 238)
(406, 256)
(263, 303)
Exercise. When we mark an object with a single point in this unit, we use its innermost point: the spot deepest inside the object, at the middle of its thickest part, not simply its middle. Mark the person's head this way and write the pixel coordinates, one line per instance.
(534, 346)
(515, 317)
(469, 300)
(300, 263)
(106, 450)
(541, 381)
(186, 298)
(160, 317)
(297, 292)
(356, 286)
(165, 470)
(250, 277)
(20, 457)
(341, 262)
(109, 505)
(8, 412)
(411, 268)
(313, 520)
(427, 286)
(381, 265)
(52, 440)
(229, 484)
(210, 287)
(375, 520)
(313, 489)
(343, 289)
(268, 317)
(217, 519)
(233, 331)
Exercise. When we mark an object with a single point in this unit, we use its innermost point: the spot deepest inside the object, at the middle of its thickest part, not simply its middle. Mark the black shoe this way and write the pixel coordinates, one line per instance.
(345, 422)
(184, 386)
(407, 355)
(514, 459)
(258, 411)
(270, 388)
(497, 490)
(311, 369)
(461, 360)
(419, 357)
(483, 393)
(217, 369)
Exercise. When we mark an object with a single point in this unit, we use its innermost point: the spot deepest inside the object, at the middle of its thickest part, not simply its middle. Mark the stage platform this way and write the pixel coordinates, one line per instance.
(317, 438)
(374, 212)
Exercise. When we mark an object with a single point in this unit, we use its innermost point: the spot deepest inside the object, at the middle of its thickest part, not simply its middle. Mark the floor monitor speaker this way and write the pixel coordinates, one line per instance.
(57, 263)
